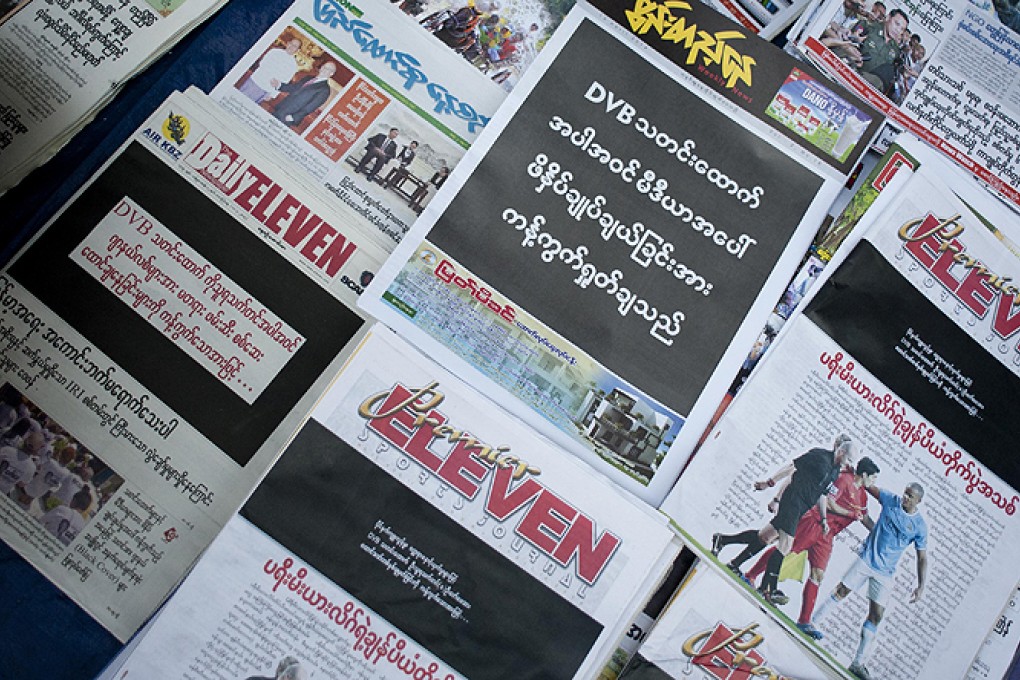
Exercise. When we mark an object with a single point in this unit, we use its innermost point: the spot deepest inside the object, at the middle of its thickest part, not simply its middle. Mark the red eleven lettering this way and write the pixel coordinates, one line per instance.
(933, 243)
(409, 419)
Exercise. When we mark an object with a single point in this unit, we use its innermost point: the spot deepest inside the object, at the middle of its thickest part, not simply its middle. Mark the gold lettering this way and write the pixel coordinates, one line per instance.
(933, 230)
(365, 410)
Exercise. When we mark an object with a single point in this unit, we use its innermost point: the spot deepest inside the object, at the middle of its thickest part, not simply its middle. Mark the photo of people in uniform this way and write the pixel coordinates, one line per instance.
(878, 41)
(46, 472)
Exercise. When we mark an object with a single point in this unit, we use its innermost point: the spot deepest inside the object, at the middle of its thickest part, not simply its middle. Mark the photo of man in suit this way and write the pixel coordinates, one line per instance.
(304, 96)
(380, 150)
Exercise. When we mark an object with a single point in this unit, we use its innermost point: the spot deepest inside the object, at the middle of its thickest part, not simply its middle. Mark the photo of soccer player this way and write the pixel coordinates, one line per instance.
(848, 503)
(810, 476)
(899, 525)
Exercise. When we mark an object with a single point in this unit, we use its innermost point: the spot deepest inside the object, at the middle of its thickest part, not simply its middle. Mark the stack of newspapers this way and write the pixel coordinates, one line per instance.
(66, 60)
(412, 351)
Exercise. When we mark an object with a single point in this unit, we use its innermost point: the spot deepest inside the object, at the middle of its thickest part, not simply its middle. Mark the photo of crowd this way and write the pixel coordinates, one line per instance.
(879, 43)
(50, 475)
(294, 80)
(500, 38)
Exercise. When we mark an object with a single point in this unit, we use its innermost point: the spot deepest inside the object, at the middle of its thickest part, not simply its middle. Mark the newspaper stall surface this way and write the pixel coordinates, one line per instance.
(414, 529)
(610, 249)
(710, 631)
(65, 60)
(946, 71)
(161, 340)
(365, 101)
(897, 369)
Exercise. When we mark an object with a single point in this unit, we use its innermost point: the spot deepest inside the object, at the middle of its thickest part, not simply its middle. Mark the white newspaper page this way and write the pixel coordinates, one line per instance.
(63, 60)
(711, 631)
(161, 340)
(946, 71)
(616, 240)
(881, 410)
(365, 101)
(413, 529)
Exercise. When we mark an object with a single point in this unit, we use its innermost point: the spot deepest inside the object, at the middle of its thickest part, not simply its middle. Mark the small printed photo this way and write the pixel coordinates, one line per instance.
(809, 109)
(403, 158)
(498, 38)
(294, 80)
(878, 41)
(47, 472)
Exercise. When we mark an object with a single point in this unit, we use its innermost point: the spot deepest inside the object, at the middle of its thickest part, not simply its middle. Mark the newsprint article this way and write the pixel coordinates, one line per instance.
(366, 102)
(947, 71)
(624, 227)
(161, 340)
(895, 519)
(387, 542)
(72, 56)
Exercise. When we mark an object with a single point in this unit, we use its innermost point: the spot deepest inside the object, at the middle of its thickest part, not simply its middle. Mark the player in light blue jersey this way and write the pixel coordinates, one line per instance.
(899, 525)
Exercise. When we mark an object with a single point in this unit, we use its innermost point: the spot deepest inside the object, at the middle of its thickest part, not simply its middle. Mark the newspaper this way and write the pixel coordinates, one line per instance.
(710, 631)
(614, 242)
(896, 369)
(946, 71)
(387, 542)
(161, 340)
(365, 101)
(65, 59)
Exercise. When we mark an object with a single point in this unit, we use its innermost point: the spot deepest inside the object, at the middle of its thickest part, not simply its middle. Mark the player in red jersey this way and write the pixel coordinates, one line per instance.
(848, 504)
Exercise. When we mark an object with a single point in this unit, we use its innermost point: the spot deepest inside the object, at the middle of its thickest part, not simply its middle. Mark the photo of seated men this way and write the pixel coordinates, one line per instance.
(46, 472)
(877, 43)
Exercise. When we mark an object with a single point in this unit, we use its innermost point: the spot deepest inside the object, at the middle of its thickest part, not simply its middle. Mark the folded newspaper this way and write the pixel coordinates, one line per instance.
(162, 338)
(413, 529)
(63, 61)
(869, 456)
(611, 245)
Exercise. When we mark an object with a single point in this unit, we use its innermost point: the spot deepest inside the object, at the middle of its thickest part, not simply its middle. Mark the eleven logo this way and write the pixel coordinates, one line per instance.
(176, 127)
(728, 654)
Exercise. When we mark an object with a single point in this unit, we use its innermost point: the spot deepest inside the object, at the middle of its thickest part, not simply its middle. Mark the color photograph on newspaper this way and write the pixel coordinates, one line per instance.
(865, 489)
(501, 38)
(944, 74)
(365, 102)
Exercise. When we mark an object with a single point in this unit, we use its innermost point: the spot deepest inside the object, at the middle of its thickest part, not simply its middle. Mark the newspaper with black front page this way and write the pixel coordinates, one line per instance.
(365, 102)
(947, 71)
(64, 60)
(413, 528)
(162, 338)
(610, 247)
(883, 409)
